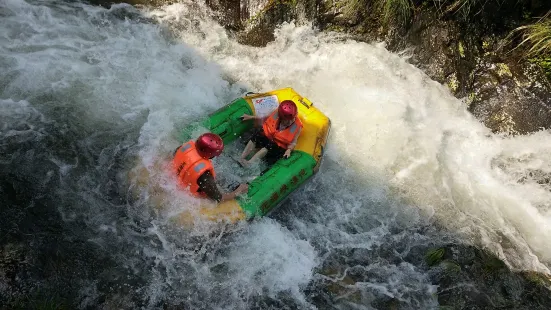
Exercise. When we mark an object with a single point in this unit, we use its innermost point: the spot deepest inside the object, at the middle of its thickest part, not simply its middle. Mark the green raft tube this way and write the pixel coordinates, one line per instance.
(267, 191)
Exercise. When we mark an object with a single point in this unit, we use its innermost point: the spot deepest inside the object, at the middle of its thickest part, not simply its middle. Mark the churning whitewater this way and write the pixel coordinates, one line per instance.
(89, 96)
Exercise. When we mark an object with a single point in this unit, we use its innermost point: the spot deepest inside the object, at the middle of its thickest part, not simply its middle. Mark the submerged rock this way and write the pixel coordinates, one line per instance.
(496, 286)
(466, 277)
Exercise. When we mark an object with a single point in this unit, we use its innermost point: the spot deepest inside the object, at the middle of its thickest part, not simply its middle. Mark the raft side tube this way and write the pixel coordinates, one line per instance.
(284, 177)
(225, 122)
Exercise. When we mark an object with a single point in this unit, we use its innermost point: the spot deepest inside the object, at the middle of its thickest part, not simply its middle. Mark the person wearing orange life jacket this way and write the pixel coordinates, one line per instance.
(193, 166)
(278, 136)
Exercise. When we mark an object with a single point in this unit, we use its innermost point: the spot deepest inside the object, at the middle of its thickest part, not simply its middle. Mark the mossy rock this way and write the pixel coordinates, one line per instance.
(461, 49)
(451, 267)
(491, 264)
(545, 63)
(435, 256)
(537, 278)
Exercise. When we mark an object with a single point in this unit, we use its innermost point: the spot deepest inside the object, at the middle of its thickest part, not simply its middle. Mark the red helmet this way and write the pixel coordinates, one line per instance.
(287, 110)
(209, 145)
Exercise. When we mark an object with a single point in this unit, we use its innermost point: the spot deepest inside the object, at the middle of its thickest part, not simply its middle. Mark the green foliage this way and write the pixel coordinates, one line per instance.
(536, 37)
(391, 10)
(536, 42)
(399, 10)
(545, 63)
(465, 8)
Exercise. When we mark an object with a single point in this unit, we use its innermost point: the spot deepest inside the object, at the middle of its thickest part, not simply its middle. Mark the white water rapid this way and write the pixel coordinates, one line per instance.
(85, 92)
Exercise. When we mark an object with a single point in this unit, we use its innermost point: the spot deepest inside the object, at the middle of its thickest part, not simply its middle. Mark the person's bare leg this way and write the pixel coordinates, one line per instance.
(248, 149)
(260, 154)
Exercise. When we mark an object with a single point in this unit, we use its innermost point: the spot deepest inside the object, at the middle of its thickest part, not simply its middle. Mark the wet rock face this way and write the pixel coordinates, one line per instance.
(260, 25)
(232, 13)
(511, 98)
(255, 20)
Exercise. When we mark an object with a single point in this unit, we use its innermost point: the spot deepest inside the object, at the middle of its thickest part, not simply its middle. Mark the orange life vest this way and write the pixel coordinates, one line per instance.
(189, 166)
(284, 137)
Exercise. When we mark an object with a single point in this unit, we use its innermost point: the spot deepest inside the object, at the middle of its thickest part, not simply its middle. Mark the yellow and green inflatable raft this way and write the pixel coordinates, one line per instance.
(269, 189)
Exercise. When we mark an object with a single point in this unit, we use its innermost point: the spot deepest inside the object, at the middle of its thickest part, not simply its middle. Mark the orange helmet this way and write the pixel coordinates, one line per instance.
(209, 145)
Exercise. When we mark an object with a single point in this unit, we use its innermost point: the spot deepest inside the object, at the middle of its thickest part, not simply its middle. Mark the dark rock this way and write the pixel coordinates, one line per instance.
(495, 285)
(232, 13)
(511, 97)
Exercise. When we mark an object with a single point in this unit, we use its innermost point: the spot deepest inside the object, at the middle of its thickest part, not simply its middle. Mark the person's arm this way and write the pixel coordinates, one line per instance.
(292, 145)
(258, 121)
(247, 117)
(207, 185)
(239, 190)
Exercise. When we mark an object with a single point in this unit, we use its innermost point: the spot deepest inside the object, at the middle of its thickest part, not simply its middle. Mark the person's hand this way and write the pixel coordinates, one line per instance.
(287, 153)
(242, 188)
(246, 117)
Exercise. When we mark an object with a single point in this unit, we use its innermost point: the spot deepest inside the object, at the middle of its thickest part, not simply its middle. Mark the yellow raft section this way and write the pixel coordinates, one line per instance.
(312, 141)
(316, 125)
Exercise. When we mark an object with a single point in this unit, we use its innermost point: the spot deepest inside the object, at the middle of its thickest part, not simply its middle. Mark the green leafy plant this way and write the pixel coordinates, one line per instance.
(536, 37)
(400, 10)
